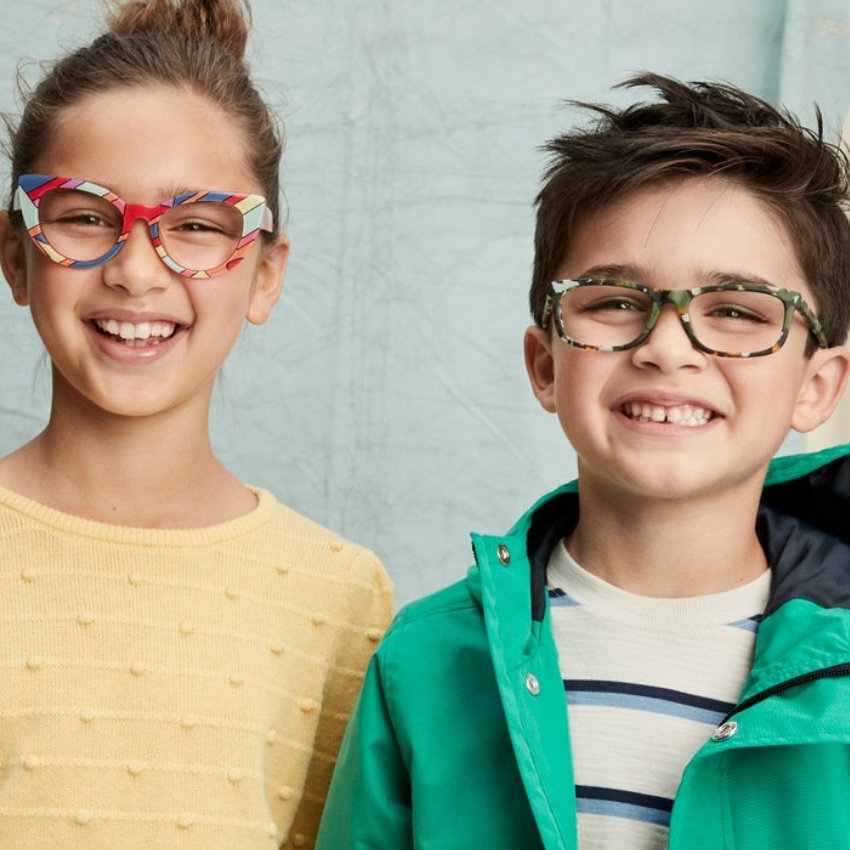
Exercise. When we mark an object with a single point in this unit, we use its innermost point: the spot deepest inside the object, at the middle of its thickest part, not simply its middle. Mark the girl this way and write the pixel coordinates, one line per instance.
(179, 653)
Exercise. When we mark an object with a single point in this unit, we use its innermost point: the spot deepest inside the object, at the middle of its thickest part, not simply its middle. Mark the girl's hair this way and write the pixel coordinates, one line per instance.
(197, 45)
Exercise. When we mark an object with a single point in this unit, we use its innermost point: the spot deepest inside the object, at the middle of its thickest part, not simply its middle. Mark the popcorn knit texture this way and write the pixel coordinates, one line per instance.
(176, 688)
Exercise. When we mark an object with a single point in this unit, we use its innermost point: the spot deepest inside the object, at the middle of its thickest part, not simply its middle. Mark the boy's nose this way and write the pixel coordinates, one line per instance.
(668, 345)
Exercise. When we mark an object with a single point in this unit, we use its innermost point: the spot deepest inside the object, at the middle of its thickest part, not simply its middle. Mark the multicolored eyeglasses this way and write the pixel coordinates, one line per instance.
(81, 225)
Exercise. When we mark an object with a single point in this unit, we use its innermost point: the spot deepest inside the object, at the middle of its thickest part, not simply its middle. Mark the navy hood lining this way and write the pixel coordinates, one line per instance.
(803, 525)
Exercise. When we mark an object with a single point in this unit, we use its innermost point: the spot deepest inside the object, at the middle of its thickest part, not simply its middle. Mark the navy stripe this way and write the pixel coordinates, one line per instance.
(612, 802)
(618, 795)
(648, 692)
(560, 599)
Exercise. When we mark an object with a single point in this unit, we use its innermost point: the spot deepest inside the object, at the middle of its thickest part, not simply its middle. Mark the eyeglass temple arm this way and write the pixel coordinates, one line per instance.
(813, 321)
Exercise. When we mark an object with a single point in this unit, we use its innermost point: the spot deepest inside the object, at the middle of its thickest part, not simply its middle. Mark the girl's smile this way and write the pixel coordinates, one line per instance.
(135, 338)
(131, 336)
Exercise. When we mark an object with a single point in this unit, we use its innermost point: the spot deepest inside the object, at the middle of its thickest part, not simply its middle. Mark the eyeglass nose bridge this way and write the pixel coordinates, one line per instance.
(131, 213)
(149, 215)
(680, 299)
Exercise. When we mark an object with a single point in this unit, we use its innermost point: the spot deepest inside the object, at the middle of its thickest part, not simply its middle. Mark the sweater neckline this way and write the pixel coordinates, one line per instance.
(96, 529)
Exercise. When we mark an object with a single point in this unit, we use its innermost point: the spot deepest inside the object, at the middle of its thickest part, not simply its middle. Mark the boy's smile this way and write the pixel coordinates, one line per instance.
(687, 415)
(664, 419)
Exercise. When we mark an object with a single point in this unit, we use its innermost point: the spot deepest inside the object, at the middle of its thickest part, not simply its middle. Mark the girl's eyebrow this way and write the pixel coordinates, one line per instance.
(174, 191)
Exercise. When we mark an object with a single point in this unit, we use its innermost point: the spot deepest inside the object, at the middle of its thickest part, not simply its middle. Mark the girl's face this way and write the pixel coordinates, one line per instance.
(131, 337)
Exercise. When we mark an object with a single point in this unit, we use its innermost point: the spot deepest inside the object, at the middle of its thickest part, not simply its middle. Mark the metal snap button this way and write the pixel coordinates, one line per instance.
(725, 731)
(504, 554)
(532, 685)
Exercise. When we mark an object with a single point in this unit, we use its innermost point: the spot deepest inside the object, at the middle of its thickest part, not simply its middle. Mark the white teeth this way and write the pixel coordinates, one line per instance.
(130, 332)
(683, 414)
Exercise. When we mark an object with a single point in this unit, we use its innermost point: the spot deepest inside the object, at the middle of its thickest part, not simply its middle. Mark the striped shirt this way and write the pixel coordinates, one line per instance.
(646, 681)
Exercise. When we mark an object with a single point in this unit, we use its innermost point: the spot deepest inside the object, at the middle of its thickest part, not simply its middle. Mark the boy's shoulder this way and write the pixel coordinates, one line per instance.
(431, 612)
(497, 585)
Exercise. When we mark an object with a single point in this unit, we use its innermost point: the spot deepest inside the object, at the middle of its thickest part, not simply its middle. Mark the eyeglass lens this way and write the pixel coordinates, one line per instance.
(724, 321)
(83, 227)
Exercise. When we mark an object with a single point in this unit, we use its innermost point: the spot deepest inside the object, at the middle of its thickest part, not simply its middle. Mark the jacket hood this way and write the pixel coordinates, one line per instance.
(814, 488)
(803, 493)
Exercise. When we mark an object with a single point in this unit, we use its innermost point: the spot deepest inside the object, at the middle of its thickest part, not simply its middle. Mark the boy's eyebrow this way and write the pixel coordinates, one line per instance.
(722, 278)
(617, 271)
(638, 274)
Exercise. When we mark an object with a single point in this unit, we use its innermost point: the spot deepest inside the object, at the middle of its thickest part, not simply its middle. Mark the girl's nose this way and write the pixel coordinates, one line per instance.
(137, 268)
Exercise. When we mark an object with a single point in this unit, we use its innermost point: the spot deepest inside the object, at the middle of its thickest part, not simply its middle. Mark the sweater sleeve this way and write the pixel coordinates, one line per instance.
(369, 804)
(363, 612)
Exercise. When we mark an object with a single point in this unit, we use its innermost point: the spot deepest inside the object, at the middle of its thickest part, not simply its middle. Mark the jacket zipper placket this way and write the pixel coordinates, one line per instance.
(826, 673)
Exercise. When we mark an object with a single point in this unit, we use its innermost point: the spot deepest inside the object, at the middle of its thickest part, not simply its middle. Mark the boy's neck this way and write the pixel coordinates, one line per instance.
(670, 550)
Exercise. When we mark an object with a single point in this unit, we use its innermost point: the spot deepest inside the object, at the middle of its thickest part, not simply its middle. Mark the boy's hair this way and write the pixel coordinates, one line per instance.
(197, 45)
(701, 129)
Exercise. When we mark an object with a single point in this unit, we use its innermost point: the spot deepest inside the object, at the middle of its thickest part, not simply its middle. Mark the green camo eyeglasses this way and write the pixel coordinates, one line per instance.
(727, 320)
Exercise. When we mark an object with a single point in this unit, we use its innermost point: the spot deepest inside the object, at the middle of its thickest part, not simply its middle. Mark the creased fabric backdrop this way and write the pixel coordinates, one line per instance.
(387, 396)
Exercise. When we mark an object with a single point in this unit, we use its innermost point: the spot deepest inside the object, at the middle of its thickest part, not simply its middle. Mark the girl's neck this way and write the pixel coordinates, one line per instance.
(669, 550)
(152, 472)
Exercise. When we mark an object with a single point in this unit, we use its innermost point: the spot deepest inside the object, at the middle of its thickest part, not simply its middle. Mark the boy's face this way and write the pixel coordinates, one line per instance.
(665, 420)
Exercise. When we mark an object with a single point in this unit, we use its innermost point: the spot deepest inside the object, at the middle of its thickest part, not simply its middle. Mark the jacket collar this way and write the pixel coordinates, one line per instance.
(802, 524)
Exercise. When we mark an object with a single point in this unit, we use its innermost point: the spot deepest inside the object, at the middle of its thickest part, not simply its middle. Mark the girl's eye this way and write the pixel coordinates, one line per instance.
(198, 226)
(82, 219)
(207, 218)
(72, 209)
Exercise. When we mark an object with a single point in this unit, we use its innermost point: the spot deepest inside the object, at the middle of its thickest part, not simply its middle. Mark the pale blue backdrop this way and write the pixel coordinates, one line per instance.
(387, 397)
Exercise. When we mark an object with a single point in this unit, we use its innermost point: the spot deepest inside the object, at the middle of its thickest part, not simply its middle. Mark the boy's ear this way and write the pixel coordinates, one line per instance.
(821, 390)
(540, 366)
(268, 280)
(13, 258)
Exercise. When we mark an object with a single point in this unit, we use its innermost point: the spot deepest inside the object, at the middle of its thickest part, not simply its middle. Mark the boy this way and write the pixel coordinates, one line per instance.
(659, 655)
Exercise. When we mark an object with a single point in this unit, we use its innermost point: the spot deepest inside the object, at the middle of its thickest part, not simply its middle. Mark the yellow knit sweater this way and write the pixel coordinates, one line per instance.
(176, 689)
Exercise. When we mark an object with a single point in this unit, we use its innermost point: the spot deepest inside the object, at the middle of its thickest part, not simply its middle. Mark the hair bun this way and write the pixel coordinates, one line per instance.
(224, 21)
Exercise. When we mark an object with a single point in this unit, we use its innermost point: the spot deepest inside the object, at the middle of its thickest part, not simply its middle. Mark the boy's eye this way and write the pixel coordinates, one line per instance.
(738, 308)
(613, 303)
(735, 312)
(607, 299)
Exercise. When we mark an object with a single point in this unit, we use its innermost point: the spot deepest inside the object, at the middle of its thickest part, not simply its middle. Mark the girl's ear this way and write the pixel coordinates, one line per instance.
(268, 280)
(822, 388)
(13, 258)
(540, 366)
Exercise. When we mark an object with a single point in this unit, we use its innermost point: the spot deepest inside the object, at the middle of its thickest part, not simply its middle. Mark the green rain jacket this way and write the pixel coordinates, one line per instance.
(460, 738)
